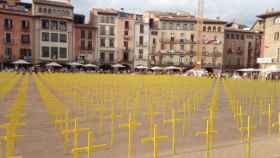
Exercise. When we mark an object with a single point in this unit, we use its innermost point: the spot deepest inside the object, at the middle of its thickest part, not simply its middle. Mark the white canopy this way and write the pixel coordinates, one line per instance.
(90, 66)
(172, 68)
(274, 68)
(74, 64)
(141, 67)
(248, 70)
(21, 62)
(53, 64)
(118, 66)
(156, 68)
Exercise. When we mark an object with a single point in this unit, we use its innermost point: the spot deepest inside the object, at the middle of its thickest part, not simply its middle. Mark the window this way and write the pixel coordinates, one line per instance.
(111, 57)
(141, 40)
(154, 41)
(54, 52)
(125, 44)
(63, 38)
(203, 50)
(45, 36)
(45, 24)
(25, 39)
(54, 25)
(219, 29)
(162, 46)
(8, 38)
(209, 29)
(25, 54)
(102, 56)
(192, 27)
(8, 24)
(89, 34)
(89, 45)
(140, 54)
(242, 37)
(102, 30)
(45, 52)
(141, 28)
(276, 36)
(178, 27)
(63, 53)
(102, 42)
(83, 34)
(62, 26)
(214, 29)
(126, 32)
(126, 24)
(112, 42)
(49, 11)
(227, 36)
(232, 36)
(25, 24)
(83, 44)
(229, 51)
(54, 37)
(192, 37)
(237, 36)
(8, 53)
(112, 30)
(182, 46)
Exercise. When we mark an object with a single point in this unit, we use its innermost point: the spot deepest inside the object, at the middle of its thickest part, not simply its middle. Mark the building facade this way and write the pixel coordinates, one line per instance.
(16, 30)
(105, 20)
(53, 31)
(84, 40)
(142, 44)
(241, 49)
(271, 38)
(174, 40)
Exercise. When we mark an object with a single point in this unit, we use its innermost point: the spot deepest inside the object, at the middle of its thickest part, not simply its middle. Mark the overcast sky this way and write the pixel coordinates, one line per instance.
(243, 11)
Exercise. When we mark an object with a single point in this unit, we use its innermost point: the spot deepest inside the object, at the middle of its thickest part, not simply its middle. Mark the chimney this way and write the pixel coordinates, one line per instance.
(272, 10)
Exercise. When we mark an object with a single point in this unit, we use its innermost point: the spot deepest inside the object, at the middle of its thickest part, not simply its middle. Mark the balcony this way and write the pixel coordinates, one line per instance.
(181, 41)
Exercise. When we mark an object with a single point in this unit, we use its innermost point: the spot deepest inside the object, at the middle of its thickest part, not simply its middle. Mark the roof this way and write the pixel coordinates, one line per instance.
(88, 26)
(190, 19)
(269, 14)
(238, 30)
(65, 3)
(106, 11)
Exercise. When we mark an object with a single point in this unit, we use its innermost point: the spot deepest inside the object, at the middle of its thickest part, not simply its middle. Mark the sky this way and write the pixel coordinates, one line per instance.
(241, 11)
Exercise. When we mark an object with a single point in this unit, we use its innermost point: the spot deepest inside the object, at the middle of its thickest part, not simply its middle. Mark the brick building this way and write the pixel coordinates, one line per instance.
(16, 29)
(271, 37)
(84, 40)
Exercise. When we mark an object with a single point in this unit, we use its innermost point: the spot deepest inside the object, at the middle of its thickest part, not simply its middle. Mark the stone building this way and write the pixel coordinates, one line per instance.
(105, 20)
(241, 49)
(142, 43)
(16, 29)
(53, 31)
(126, 36)
(84, 40)
(271, 38)
(174, 40)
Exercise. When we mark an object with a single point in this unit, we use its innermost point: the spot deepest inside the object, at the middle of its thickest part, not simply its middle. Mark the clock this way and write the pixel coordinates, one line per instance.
(277, 20)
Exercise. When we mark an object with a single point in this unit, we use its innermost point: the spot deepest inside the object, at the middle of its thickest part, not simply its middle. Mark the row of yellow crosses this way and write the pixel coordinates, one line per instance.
(125, 98)
(14, 116)
(252, 104)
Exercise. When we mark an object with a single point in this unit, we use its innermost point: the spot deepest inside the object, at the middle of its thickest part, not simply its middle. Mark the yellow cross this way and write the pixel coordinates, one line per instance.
(208, 134)
(64, 123)
(186, 117)
(11, 128)
(249, 129)
(10, 144)
(151, 116)
(102, 111)
(155, 139)
(75, 131)
(269, 113)
(113, 118)
(174, 121)
(90, 148)
(277, 124)
(132, 125)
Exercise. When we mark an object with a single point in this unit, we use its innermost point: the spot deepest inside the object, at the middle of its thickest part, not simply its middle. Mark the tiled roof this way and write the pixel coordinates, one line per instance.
(270, 14)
